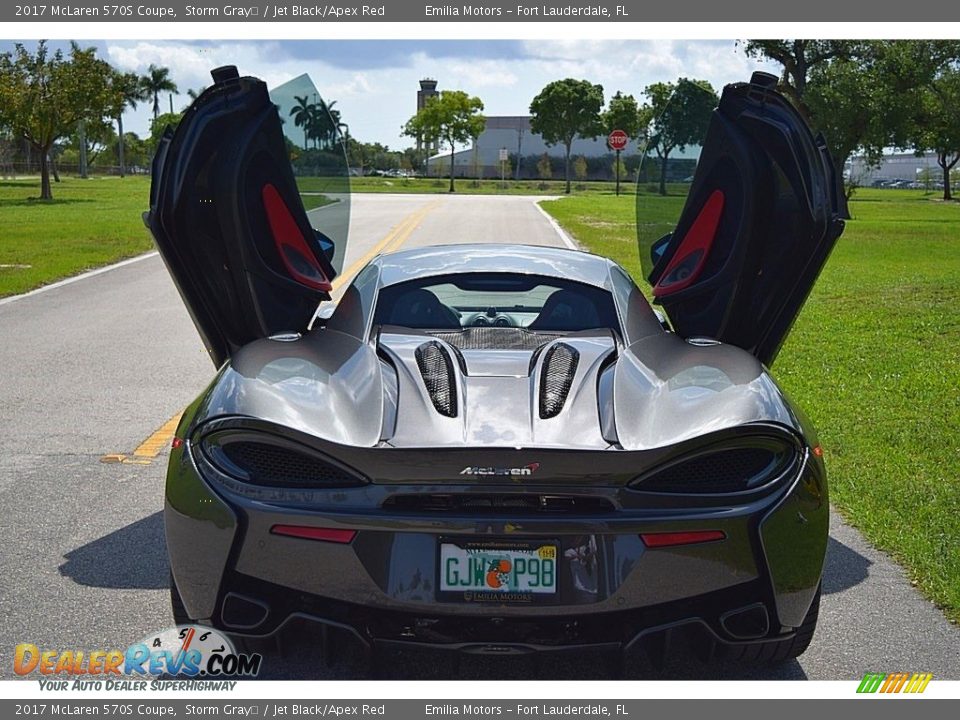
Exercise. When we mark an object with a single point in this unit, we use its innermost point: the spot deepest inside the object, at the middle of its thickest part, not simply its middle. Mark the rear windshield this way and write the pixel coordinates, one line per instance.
(469, 300)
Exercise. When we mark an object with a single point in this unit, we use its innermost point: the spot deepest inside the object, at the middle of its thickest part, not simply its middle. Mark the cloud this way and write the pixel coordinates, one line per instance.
(482, 74)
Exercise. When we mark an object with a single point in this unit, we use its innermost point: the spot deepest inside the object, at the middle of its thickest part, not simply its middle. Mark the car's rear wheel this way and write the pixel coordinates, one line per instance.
(777, 651)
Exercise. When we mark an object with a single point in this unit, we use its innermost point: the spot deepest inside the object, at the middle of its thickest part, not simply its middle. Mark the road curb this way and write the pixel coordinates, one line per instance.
(567, 240)
(76, 278)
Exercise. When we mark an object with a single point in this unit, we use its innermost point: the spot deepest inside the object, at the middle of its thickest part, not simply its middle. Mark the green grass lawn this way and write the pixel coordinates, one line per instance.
(89, 223)
(874, 359)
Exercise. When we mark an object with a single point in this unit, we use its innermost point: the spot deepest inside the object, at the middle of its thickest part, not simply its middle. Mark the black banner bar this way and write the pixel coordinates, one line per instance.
(617, 11)
(492, 709)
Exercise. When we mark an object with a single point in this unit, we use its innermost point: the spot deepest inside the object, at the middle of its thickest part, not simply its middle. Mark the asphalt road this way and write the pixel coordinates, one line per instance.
(95, 367)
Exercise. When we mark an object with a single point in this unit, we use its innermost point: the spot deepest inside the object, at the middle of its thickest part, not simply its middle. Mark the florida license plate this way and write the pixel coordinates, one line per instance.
(498, 571)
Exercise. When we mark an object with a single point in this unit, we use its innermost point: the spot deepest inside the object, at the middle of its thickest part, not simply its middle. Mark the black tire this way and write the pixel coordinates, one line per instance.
(180, 616)
(777, 651)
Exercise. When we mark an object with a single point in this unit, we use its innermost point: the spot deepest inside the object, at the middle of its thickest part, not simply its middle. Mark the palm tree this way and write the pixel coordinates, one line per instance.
(326, 121)
(194, 94)
(333, 124)
(156, 81)
(303, 113)
(130, 90)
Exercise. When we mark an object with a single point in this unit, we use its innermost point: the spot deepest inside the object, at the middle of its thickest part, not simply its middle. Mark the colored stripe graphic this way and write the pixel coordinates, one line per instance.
(894, 682)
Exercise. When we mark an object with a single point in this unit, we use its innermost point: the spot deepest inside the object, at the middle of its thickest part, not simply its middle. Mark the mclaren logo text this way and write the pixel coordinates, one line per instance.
(516, 472)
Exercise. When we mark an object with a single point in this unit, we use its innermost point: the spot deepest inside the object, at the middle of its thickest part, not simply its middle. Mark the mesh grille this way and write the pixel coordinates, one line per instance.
(496, 338)
(505, 504)
(275, 466)
(437, 370)
(559, 367)
(725, 471)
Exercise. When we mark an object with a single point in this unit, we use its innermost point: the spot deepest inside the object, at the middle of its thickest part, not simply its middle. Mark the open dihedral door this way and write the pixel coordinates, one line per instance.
(228, 219)
(763, 210)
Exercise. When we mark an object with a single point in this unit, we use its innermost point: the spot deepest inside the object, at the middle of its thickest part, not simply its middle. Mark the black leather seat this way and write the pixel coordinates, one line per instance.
(567, 310)
(421, 309)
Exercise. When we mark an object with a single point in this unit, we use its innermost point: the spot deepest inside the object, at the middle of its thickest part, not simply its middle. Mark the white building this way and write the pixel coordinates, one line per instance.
(513, 133)
(905, 167)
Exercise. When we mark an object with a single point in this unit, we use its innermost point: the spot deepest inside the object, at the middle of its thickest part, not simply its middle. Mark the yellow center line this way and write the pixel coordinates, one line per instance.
(149, 448)
(393, 240)
(152, 446)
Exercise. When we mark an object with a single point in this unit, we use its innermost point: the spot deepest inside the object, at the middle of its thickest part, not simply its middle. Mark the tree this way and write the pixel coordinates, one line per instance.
(91, 138)
(303, 113)
(565, 109)
(937, 126)
(452, 118)
(862, 95)
(129, 90)
(156, 81)
(580, 168)
(799, 58)
(622, 113)
(680, 115)
(159, 125)
(544, 167)
(44, 96)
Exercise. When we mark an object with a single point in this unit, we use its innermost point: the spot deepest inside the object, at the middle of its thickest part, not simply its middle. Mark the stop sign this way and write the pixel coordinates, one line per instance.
(617, 140)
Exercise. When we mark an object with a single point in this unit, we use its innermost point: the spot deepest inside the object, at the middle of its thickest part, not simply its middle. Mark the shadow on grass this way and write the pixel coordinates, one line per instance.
(37, 202)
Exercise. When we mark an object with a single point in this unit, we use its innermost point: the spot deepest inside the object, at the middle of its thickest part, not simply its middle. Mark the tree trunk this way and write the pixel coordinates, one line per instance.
(451, 166)
(120, 143)
(566, 165)
(663, 173)
(45, 192)
(83, 150)
(947, 167)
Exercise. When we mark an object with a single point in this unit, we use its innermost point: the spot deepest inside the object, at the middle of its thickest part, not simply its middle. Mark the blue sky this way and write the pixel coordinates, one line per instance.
(375, 81)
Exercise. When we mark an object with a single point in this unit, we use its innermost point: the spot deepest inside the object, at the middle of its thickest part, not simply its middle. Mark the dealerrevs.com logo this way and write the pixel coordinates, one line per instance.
(188, 651)
(515, 472)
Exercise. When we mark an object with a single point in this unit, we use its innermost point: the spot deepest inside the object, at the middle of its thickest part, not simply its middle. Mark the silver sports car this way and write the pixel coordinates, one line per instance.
(497, 448)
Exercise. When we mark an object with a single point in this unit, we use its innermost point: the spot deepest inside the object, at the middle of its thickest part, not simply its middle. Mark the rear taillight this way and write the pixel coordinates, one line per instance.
(689, 537)
(307, 532)
(737, 466)
(266, 460)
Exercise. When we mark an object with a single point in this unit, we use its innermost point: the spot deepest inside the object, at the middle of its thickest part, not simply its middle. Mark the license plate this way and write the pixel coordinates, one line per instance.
(498, 571)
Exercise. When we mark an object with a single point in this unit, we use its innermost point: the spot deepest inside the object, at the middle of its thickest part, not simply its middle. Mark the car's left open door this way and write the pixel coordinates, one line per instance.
(760, 208)
(228, 219)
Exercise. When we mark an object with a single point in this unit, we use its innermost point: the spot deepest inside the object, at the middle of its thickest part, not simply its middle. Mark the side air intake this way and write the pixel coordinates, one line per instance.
(436, 367)
(559, 367)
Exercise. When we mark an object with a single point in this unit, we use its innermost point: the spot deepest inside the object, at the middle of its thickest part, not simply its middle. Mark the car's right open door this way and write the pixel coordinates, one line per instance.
(763, 209)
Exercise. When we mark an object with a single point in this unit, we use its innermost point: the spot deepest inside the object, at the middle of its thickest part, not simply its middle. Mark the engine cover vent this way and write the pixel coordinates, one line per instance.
(436, 367)
(559, 368)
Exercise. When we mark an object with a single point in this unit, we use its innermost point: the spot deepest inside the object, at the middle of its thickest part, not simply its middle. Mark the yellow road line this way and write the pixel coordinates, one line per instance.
(152, 446)
(393, 240)
(149, 448)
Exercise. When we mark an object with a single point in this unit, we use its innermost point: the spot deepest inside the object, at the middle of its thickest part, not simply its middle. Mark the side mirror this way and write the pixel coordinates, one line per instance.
(659, 247)
(327, 246)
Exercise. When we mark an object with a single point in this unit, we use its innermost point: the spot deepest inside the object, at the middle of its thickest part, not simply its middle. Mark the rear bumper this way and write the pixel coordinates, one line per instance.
(706, 625)
(612, 589)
